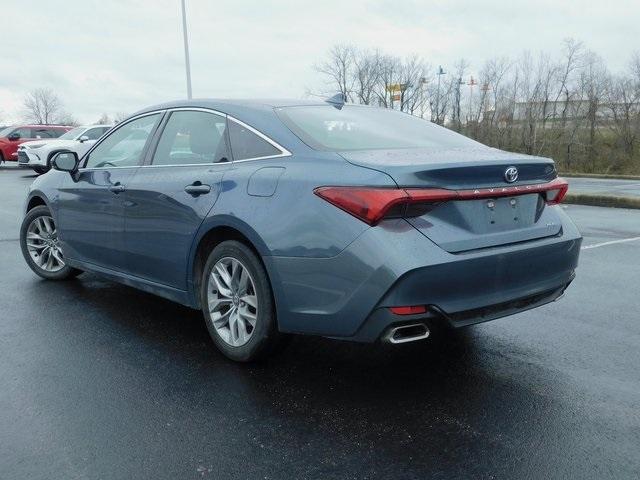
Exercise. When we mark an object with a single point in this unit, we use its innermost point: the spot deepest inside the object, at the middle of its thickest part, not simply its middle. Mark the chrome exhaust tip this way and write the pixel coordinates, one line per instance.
(407, 333)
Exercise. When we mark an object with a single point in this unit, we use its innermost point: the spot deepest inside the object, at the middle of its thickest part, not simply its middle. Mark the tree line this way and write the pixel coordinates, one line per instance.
(567, 106)
(43, 106)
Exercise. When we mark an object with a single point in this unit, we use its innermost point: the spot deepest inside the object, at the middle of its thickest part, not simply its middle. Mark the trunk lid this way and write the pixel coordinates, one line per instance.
(458, 226)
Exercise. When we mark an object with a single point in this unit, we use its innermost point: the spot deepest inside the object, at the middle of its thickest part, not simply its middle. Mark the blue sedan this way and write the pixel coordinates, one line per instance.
(323, 218)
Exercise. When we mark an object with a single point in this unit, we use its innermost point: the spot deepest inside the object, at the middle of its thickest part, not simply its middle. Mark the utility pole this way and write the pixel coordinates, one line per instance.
(440, 73)
(472, 83)
(456, 108)
(186, 50)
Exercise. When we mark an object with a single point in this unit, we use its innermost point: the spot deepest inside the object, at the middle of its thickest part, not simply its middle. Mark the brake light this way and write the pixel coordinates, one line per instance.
(372, 204)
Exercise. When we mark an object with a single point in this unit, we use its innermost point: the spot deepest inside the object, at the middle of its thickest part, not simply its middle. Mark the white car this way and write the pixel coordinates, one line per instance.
(37, 154)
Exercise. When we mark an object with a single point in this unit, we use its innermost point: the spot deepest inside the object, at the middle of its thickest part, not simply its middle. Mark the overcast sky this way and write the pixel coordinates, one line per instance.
(118, 56)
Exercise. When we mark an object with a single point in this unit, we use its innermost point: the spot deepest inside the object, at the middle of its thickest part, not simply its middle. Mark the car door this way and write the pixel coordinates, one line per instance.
(91, 202)
(169, 198)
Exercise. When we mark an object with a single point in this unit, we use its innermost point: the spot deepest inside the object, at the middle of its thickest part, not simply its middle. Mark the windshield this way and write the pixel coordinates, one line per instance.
(72, 134)
(6, 131)
(366, 128)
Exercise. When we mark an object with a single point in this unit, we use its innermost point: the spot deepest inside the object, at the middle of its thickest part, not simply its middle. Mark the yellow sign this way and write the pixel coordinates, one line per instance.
(396, 87)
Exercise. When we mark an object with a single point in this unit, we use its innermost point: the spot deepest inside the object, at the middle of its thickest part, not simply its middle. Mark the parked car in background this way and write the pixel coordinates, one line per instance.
(345, 221)
(11, 137)
(37, 154)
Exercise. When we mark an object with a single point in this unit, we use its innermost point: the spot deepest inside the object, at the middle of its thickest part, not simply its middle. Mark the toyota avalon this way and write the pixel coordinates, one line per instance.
(322, 218)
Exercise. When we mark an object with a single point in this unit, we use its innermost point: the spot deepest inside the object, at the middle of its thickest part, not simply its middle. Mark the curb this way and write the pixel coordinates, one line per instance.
(602, 200)
(600, 175)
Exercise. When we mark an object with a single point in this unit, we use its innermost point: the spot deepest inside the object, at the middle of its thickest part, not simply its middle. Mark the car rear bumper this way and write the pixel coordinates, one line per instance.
(349, 296)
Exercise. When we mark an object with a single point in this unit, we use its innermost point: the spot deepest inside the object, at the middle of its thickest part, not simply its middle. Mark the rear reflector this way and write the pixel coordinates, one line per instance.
(412, 310)
(372, 204)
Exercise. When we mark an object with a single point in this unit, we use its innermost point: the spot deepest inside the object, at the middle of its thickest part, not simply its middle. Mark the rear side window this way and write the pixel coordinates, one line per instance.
(245, 144)
(43, 133)
(55, 133)
(192, 137)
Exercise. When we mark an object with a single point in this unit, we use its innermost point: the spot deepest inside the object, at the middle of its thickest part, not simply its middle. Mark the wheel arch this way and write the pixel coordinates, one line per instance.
(211, 233)
(36, 199)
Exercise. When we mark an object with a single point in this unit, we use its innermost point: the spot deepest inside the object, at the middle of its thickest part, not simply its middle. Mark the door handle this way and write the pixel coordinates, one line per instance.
(197, 188)
(117, 188)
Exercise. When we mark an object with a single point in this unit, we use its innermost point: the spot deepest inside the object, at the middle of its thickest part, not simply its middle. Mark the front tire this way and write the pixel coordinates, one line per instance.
(40, 246)
(237, 303)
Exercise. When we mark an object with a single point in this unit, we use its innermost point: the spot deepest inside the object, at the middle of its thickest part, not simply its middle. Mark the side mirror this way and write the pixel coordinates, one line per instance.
(65, 161)
(14, 136)
(83, 138)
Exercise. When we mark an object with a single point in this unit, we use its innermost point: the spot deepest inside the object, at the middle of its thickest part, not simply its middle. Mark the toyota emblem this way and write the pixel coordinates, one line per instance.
(511, 174)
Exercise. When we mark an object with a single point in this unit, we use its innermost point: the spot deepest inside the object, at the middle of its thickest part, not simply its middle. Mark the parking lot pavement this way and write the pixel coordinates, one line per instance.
(98, 380)
(604, 186)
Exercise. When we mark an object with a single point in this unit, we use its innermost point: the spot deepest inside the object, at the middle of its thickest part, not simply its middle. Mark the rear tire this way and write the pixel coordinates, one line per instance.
(40, 246)
(237, 303)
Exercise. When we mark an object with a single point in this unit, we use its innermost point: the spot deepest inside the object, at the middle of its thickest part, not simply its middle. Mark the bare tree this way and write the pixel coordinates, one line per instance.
(65, 118)
(366, 72)
(42, 106)
(120, 116)
(103, 120)
(566, 106)
(338, 67)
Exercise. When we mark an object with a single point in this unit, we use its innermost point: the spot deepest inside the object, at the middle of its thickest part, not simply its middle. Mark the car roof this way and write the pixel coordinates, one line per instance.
(35, 125)
(228, 105)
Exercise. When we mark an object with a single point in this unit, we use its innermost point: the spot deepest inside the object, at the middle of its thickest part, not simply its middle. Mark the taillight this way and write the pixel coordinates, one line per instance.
(556, 194)
(368, 204)
(372, 204)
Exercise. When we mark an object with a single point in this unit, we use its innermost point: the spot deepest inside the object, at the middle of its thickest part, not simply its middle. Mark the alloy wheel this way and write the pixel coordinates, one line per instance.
(43, 245)
(232, 301)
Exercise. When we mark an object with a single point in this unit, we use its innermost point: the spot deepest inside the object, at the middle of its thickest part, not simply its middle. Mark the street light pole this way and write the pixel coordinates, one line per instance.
(440, 73)
(186, 50)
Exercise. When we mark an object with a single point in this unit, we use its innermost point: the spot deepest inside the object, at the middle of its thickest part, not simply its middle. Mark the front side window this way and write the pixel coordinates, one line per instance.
(192, 137)
(245, 144)
(367, 128)
(24, 132)
(124, 147)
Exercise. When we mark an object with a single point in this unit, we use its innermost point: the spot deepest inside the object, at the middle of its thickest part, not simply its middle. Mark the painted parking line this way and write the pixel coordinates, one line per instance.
(612, 242)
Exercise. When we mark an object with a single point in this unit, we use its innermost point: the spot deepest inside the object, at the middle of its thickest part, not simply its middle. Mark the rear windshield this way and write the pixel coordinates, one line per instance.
(366, 128)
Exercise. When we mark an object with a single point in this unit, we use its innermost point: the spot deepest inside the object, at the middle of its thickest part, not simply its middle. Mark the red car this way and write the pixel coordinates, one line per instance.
(11, 137)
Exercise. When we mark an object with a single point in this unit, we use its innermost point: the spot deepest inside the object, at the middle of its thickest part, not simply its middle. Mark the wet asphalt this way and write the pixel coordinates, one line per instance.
(100, 381)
